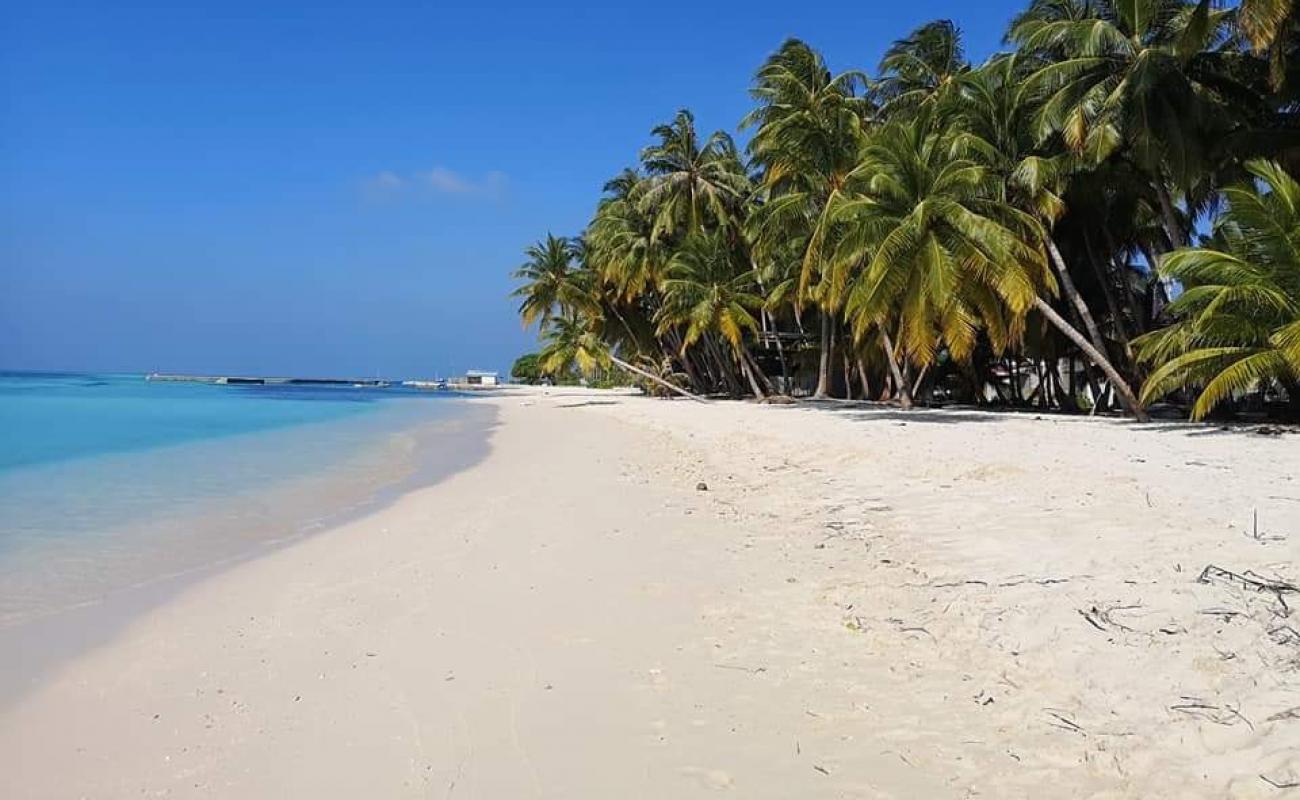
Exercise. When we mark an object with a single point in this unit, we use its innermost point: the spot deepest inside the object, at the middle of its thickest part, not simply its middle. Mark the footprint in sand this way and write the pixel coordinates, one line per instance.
(709, 778)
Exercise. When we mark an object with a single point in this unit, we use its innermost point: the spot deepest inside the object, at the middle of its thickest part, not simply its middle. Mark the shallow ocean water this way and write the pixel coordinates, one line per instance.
(111, 482)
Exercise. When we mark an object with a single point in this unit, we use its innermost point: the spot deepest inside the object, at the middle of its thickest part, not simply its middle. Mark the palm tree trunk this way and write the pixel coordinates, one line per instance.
(1072, 294)
(1125, 393)
(920, 378)
(763, 380)
(724, 368)
(674, 345)
(848, 373)
(785, 367)
(743, 358)
(1168, 215)
(862, 376)
(824, 363)
(904, 394)
(1102, 272)
(656, 379)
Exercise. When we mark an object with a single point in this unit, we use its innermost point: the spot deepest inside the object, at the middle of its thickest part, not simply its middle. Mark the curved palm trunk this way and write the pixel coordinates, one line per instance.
(904, 393)
(1122, 388)
(656, 379)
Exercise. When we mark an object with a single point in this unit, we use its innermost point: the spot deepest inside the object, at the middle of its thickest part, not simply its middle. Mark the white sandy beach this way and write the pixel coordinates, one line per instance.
(862, 604)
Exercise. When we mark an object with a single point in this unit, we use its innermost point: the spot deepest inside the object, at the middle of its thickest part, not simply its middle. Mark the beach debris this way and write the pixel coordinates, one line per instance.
(701, 487)
(1284, 635)
(1246, 580)
(742, 668)
(1219, 715)
(821, 769)
(1281, 783)
(1101, 619)
(1290, 713)
(1063, 722)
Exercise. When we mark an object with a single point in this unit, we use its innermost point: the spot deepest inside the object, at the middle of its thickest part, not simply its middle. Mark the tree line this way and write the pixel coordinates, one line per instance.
(1104, 215)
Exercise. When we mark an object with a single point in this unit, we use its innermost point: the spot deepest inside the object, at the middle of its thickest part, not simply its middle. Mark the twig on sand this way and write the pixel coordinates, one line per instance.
(1247, 580)
(919, 629)
(1101, 619)
(1039, 581)
(1290, 713)
(752, 670)
(1064, 723)
(821, 769)
(1210, 712)
(1285, 783)
(1015, 581)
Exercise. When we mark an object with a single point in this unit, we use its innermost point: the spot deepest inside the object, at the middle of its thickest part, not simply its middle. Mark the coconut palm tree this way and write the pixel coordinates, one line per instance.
(1140, 76)
(551, 281)
(921, 69)
(808, 128)
(621, 243)
(1238, 321)
(690, 184)
(710, 294)
(943, 256)
(994, 105)
(571, 341)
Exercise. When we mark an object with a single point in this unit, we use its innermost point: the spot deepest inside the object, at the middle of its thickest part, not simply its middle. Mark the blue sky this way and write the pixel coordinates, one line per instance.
(344, 188)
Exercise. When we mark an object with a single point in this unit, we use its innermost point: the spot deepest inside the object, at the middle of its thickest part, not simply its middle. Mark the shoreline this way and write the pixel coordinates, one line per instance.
(862, 602)
(43, 640)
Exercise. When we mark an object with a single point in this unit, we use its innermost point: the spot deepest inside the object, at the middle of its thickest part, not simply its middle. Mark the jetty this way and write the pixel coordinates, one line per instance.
(254, 380)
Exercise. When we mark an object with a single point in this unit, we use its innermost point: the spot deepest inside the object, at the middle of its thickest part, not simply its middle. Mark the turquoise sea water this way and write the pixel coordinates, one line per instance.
(110, 482)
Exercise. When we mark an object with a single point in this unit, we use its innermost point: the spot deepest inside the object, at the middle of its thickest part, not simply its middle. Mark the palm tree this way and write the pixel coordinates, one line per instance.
(709, 294)
(941, 253)
(994, 104)
(921, 69)
(570, 340)
(550, 280)
(1270, 26)
(690, 184)
(1238, 322)
(809, 127)
(1141, 76)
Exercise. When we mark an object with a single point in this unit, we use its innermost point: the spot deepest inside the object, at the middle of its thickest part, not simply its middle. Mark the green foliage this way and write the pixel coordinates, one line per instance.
(929, 216)
(1238, 321)
(527, 368)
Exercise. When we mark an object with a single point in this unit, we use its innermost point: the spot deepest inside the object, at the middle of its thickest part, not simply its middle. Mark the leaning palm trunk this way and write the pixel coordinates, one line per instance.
(656, 379)
(904, 394)
(1094, 355)
(748, 371)
(1072, 294)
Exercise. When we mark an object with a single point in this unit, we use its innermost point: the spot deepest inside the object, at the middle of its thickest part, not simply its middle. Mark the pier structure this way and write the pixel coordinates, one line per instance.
(254, 380)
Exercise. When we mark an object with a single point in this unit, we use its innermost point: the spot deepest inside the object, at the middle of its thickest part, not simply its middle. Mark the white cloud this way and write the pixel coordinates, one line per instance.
(444, 180)
(439, 179)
